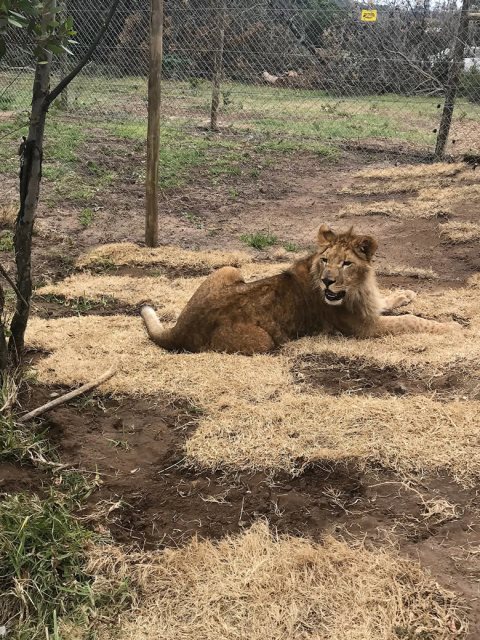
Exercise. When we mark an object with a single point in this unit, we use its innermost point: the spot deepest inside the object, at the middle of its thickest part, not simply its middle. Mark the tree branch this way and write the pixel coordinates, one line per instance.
(11, 283)
(66, 81)
(68, 396)
(415, 66)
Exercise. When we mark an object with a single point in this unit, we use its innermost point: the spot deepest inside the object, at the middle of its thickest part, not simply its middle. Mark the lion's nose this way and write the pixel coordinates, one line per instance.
(327, 281)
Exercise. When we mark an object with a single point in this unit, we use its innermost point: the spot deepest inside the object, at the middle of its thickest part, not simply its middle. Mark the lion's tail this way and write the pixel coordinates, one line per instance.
(159, 335)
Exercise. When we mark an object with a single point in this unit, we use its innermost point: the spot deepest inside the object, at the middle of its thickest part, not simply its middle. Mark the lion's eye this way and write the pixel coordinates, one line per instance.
(346, 263)
(325, 260)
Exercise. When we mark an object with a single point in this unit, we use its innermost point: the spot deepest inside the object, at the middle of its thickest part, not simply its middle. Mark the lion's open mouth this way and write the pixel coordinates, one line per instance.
(334, 296)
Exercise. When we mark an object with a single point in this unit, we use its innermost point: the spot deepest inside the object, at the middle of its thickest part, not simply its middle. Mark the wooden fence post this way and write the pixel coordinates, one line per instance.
(451, 87)
(153, 131)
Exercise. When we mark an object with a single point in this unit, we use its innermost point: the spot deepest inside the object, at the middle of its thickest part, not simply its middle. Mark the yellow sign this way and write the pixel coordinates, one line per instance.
(369, 15)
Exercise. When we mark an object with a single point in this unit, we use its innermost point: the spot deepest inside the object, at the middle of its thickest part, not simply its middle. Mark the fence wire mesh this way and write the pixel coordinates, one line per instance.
(329, 70)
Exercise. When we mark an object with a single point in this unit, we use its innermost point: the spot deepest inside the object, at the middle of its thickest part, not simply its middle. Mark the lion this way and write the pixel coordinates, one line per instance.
(333, 290)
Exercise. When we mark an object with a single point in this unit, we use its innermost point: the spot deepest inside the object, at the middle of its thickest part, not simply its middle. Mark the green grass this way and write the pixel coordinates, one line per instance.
(181, 152)
(193, 219)
(86, 217)
(355, 126)
(290, 246)
(21, 444)
(42, 542)
(259, 240)
(42, 562)
(81, 305)
(258, 124)
(6, 241)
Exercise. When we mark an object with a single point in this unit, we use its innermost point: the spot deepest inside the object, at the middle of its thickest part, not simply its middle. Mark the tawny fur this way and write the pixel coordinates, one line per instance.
(331, 291)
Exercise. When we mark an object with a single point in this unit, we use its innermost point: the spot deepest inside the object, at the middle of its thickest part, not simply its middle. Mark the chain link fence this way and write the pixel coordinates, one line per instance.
(330, 70)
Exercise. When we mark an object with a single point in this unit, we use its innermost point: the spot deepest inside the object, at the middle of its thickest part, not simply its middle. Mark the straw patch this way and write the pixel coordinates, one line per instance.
(454, 190)
(83, 347)
(405, 185)
(129, 254)
(263, 587)
(428, 203)
(408, 351)
(408, 179)
(407, 272)
(414, 171)
(461, 304)
(8, 215)
(257, 417)
(474, 281)
(409, 210)
(413, 434)
(168, 296)
(459, 232)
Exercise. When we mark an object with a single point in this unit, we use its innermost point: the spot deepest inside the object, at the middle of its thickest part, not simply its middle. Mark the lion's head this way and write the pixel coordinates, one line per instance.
(342, 263)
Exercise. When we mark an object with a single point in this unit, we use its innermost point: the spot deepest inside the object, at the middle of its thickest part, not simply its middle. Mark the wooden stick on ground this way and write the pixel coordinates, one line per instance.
(68, 396)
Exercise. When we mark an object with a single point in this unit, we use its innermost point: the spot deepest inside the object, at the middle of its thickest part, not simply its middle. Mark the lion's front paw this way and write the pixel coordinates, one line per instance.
(405, 296)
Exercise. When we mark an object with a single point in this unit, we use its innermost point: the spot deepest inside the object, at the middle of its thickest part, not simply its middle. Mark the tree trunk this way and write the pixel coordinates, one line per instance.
(3, 340)
(153, 131)
(218, 67)
(452, 81)
(30, 177)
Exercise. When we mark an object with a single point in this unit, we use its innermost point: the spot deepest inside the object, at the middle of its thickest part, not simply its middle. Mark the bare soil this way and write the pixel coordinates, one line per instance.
(147, 495)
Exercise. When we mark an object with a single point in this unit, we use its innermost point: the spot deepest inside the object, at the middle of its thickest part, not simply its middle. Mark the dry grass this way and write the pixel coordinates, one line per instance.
(254, 415)
(405, 434)
(262, 587)
(428, 202)
(437, 353)
(82, 348)
(8, 215)
(414, 171)
(407, 272)
(167, 295)
(447, 304)
(409, 179)
(386, 187)
(451, 192)
(399, 210)
(127, 253)
(474, 281)
(257, 418)
(459, 232)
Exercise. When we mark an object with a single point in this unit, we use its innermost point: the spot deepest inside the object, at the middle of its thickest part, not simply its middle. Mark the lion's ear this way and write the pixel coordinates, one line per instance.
(325, 235)
(365, 246)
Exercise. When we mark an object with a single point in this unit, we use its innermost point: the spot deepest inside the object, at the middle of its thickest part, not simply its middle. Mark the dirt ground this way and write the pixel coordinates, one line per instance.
(136, 445)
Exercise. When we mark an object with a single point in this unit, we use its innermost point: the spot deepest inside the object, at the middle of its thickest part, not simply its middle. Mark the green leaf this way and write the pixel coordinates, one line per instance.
(15, 22)
(53, 47)
(18, 15)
